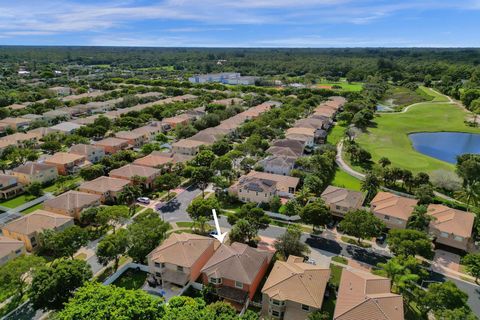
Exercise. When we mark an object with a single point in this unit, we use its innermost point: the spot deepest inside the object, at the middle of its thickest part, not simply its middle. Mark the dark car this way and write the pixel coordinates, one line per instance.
(331, 224)
(381, 239)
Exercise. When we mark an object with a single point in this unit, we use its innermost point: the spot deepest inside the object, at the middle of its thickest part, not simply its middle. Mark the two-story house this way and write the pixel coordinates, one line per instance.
(281, 165)
(451, 227)
(10, 249)
(341, 200)
(72, 203)
(92, 153)
(180, 258)
(9, 186)
(35, 172)
(132, 171)
(107, 188)
(67, 163)
(236, 271)
(294, 289)
(113, 145)
(28, 227)
(392, 209)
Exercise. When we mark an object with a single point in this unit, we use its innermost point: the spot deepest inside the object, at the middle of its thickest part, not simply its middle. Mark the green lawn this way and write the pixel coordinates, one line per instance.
(131, 279)
(31, 209)
(335, 275)
(340, 259)
(17, 201)
(390, 136)
(354, 86)
(336, 134)
(436, 96)
(184, 224)
(344, 180)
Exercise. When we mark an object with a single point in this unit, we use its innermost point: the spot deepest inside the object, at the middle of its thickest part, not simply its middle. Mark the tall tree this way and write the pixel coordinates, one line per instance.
(362, 224)
(112, 247)
(202, 176)
(419, 219)
(370, 185)
(53, 285)
(167, 182)
(472, 264)
(96, 301)
(63, 243)
(128, 196)
(290, 244)
(145, 234)
(410, 243)
(15, 274)
(316, 213)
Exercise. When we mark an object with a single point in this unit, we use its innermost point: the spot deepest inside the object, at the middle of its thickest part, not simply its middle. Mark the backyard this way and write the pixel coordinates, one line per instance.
(389, 138)
(131, 279)
(344, 180)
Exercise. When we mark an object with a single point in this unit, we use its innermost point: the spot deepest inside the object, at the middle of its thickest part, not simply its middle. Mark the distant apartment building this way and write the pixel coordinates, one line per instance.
(224, 77)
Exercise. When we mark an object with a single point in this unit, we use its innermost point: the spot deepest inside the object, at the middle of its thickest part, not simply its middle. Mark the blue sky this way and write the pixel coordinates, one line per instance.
(242, 23)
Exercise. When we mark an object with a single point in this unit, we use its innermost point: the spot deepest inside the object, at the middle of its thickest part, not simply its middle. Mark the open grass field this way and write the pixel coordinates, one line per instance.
(344, 180)
(390, 137)
(346, 86)
(436, 97)
(336, 134)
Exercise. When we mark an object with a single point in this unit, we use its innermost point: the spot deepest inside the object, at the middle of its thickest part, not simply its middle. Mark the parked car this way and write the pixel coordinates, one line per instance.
(144, 200)
(309, 260)
(332, 224)
(212, 234)
(381, 239)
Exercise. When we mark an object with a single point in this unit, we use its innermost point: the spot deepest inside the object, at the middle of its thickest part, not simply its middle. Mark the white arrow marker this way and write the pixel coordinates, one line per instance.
(219, 236)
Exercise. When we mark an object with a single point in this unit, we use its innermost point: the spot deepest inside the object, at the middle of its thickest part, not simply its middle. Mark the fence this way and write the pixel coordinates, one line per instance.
(124, 268)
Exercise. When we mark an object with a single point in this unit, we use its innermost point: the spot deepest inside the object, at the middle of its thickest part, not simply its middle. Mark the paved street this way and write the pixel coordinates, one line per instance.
(176, 211)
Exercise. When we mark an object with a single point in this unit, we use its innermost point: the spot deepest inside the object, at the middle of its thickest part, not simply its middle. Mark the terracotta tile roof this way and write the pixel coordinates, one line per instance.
(158, 158)
(37, 221)
(19, 137)
(104, 184)
(450, 220)
(364, 296)
(8, 246)
(15, 121)
(309, 123)
(64, 158)
(127, 135)
(237, 262)
(188, 143)
(111, 142)
(228, 101)
(281, 181)
(130, 170)
(72, 200)
(294, 280)
(84, 149)
(301, 130)
(343, 197)
(178, 119)
(390, 204)
(282, 151)
(4, 143)
(16, 106)
(32, 168)
(181, 249)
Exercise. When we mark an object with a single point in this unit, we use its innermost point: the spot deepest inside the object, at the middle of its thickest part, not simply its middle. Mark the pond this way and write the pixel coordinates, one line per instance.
(445, 146)
(384, 108)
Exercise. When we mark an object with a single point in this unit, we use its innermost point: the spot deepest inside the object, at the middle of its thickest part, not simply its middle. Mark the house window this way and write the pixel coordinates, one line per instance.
(240, 190)
(265, 195)
(180, 268)
(238, 285)
(18, 251)
(458, 238)
(215, 280)
(305, 307)
(157, 265)
(158, 274)
(256, 193)
(275, 313)
(386, 217)
(444, 234)
(277, 302)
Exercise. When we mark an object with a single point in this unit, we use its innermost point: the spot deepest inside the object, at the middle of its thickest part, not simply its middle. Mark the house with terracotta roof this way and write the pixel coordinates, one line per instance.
(392, 209)
(21, 139)
(228, 102)
(296, 147)
(106, 187)
(162, 160)
(72, 203)
(28, 227)
(130, 171)
(67, 163)
(9, 186)
(281, 165)
(150, 131)
(341, 200)
(305, 135)
(187, 146)
(294, 289)
(181, 119)
(364, 296)
(16, 123)
(451, 227)
(236, 271)
(113, 145)
(35, 172)
(56, 114)
(16, 106)
(136, 139)
(180, 258)
(66, 127)
(91, 152)
(10, 249)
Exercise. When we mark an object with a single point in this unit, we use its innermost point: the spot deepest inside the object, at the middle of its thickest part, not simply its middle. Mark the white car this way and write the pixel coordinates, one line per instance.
(144, 200)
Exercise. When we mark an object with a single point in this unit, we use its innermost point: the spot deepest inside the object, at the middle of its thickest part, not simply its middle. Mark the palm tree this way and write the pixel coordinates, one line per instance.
(370, 185)
(384, 161)
(129, 196)
(304, 195)
(470, 194)
(419, 219)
